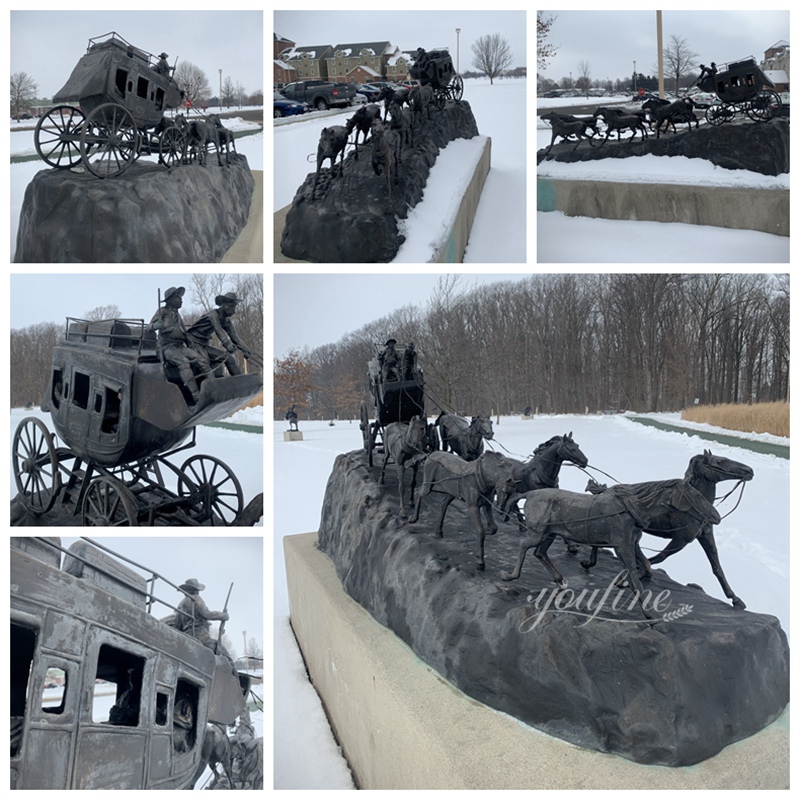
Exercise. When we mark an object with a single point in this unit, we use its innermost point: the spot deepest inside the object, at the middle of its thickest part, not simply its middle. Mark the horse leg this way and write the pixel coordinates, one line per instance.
(533, 539)
(400, 482)
(426, 488)
(541, 553)
(474, 510)
(448, 498)
(706, 539)
(675, 546)
(592, 559)
(626, 553)
(385, 460)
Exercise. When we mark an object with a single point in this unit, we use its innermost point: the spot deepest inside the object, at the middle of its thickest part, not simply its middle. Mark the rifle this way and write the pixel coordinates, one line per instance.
(222, 624)
(257, 359)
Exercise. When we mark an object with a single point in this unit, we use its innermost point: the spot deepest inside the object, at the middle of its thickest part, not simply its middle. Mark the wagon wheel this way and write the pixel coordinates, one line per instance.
(171, 146)
(457, 88)
(57, 136)
(439, 97)
(717, 114)
(108, 503)
(215, 491)
(764, 106)
(366, 430)
(35, 464)
(109, 140)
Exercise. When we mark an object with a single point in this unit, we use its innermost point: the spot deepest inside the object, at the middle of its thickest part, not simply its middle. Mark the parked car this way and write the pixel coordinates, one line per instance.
(368, 90)
(703, 99)
(321, 94)
(281, 107)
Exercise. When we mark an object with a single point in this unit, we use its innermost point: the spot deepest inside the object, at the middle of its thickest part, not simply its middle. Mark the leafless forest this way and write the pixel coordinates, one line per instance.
(32, 347)
(567, 344)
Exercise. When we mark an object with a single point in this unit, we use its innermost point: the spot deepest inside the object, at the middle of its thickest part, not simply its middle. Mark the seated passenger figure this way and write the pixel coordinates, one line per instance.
(218, 321)
(174, 342)
(389, 360)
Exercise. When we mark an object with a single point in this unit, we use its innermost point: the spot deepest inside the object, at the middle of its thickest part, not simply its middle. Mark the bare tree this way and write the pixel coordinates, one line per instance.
(103, 312)
(228, 92)
(679, 60)
(23, 91)
(491, 54)
(584, 82)
(544, 51)
(193, 81)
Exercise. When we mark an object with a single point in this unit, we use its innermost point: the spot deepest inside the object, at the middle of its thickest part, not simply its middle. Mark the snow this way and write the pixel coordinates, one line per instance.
(563, 239)
(242, 451)
(753, 544)
(22, 144)
(500, 114)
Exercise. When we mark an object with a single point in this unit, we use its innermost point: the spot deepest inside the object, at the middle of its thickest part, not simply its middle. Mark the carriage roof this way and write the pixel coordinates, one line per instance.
(115, 71)
(112, 402)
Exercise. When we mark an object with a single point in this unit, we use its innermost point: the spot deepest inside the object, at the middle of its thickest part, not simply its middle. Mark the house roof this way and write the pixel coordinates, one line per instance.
(778, 44)
(354, 48)
(366, 69)
(313, 51)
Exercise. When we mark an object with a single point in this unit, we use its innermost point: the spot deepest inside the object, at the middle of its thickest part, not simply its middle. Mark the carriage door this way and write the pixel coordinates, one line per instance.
(105, 418)
(118, 713)
(45, 700)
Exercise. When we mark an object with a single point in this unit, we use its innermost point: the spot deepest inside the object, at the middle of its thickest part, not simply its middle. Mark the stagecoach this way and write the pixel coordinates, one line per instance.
(742, 88)
(111, 110)
(395, 398)
(84, 636)
(435, 69)
(122, 413)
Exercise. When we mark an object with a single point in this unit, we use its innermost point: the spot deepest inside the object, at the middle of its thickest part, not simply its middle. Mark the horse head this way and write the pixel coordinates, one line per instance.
(718, 468)
(569, 451)
(483, 425)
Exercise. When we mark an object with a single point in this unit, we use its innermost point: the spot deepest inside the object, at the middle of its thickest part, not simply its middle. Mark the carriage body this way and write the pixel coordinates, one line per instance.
(435, 69)
(392, 401)
(110, 110)
(742, 87)
(82, 626)
(114, 71)
(120, 412)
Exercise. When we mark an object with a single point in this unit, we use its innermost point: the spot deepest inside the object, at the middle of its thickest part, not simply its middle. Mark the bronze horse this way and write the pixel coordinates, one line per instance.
(474, 482)
(462, 437)
(402, 442)
(703, 473)
(541, 471)
(614, 518)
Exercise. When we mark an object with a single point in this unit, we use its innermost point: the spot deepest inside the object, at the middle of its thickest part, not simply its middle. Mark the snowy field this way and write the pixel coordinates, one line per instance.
(22, 144)
(242, 452)
(498, 233)
(753, 545)
(563, 239)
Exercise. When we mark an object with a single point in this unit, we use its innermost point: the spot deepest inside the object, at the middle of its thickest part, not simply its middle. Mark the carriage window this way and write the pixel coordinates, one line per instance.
(58, 388)
(117, 687)
(162, 706)
(184, 717)
(142, 86)
(23, 644)
(110, 423)
(121, 80)
(80, 390)
(98, 403)
(159, 99)
(55, 691)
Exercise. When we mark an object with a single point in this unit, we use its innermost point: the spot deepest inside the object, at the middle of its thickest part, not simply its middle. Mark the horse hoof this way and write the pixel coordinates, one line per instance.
(480, 567)
(737, 603)
(506, 576)
(586, 564)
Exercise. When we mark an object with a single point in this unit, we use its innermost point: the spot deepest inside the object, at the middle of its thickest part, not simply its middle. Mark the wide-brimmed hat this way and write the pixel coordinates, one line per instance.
(228, 297)
(192, 584)
(163, 55)
(179, 290)
(390, 341)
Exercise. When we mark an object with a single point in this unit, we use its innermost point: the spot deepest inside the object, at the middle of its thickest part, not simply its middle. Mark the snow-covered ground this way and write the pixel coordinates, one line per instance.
(499, 230)
(563, 239)
(243, 452)
(753, 545)
(21, 174)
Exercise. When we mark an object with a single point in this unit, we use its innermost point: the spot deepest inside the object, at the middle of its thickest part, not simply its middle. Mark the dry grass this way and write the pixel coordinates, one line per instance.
(757, 418)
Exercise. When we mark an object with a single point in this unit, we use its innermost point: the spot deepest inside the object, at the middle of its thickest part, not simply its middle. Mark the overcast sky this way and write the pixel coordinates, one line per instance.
(408, 30)
(48, 44)
(314, 310)
(52, 298)
(216, 562)
(610, 41)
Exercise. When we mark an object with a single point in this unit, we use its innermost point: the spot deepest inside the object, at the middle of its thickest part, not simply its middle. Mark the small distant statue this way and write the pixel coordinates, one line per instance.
(175, 343)
(389, 360)
(526, 411)
(409, 362)
(218, 321)
(291, 415)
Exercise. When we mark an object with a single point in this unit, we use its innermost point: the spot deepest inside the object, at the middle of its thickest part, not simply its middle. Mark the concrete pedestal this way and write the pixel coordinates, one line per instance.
(402, 726)
(292, 436)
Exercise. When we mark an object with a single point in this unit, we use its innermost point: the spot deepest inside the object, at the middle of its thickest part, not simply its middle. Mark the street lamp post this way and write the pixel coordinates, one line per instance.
(458, 50)
(220, 90)
(634, 77)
